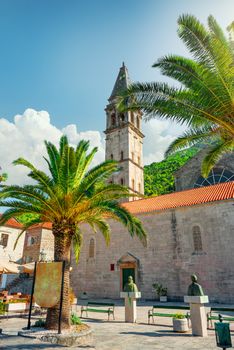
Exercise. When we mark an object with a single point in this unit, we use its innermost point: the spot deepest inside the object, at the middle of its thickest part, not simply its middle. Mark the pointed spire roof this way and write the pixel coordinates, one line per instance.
(122, 82)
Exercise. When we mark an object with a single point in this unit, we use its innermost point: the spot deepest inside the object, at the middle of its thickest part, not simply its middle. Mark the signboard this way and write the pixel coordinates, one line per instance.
(47, 288)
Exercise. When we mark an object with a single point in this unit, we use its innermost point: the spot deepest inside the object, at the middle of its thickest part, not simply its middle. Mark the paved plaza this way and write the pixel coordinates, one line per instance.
(115, 335)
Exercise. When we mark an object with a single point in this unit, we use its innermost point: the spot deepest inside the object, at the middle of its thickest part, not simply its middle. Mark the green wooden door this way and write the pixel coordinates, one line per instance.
(126, 273)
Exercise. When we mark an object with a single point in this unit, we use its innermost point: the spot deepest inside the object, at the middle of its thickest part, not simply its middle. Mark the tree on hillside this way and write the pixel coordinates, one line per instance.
(71, 195)
(3, 176)
(204, 100)
(159, 176)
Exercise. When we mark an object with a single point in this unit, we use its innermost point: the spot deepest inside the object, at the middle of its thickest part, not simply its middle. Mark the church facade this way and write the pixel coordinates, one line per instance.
(189, 231)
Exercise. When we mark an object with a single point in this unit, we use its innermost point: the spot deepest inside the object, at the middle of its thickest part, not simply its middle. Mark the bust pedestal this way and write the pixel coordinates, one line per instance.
(198, 314)
(130, 305)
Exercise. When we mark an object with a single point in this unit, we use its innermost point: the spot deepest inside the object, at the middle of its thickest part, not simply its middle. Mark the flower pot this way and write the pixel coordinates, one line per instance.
(16, 306)
(163, 298)
(180, 325)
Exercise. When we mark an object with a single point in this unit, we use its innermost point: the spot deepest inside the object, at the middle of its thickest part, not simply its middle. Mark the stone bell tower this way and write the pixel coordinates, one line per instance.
(124, 139)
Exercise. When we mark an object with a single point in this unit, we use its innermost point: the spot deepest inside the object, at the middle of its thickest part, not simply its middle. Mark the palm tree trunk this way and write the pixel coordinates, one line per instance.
(62, 247)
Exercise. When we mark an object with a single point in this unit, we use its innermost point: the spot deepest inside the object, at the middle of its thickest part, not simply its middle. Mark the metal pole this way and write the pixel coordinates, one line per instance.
(31, 300)
(61, 299)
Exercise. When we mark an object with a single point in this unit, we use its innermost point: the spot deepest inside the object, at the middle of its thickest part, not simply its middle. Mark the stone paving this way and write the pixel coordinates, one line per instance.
(115, 335)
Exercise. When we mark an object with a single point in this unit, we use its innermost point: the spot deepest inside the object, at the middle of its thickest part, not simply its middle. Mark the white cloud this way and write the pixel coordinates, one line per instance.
(158, 135)
(25, 138)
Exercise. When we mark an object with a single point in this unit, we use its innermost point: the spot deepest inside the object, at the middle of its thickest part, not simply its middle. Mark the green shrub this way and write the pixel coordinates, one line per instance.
(40, 323)
(75, 320)
(159, 289)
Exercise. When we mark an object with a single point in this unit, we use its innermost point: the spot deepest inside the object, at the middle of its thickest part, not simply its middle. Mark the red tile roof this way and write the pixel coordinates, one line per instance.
(47, 225)
(13, 223)
(185, 198)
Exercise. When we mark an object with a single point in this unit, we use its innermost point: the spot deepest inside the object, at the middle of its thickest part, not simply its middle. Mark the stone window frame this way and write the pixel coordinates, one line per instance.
(113, 119)
(4, 239)
(92, 248)
(217, 175)
(199, 249)
(31, 240)
(138, 122)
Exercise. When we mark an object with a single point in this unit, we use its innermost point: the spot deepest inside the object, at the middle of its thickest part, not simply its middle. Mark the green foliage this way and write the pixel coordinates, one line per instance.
(159, 177)
(159, 289)
(26, 218)
(40, 323)
(179, 316)
(203, 100)
(3, 177)
(75, 320)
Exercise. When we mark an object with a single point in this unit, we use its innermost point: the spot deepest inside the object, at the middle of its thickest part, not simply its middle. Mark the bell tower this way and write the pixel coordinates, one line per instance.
(124, 139)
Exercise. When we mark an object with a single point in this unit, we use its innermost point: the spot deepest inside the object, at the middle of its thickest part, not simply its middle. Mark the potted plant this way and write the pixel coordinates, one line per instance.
(180, 323)
(161, 291)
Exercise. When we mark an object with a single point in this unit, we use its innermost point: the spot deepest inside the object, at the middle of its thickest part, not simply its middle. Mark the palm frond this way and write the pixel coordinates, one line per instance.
(77, 243)
(215, 154)
(190, 138)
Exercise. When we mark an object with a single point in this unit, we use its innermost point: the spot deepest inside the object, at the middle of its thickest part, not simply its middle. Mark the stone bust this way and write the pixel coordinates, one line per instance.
(194, 288)
(130, 286)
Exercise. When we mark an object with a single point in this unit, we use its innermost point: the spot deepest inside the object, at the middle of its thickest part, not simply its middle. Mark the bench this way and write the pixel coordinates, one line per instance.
(153, 312)
(91, 306)
(214, 317)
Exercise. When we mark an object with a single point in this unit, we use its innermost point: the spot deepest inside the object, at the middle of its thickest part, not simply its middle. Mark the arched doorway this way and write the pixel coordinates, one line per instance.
(128, 266)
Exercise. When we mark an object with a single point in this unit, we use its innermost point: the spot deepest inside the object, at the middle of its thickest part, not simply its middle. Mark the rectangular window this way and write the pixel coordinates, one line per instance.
(4, 240)
(112, 267)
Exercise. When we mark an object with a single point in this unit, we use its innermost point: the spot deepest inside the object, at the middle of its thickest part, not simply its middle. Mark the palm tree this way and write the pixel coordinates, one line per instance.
(204, 99)
(71, 195)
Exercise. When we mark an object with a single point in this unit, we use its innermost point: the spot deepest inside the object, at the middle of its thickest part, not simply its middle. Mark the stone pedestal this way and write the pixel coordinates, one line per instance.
(130, 305)
(198, 314)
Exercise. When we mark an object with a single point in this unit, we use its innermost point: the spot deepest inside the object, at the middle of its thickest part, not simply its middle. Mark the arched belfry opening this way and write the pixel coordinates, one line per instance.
(128, 265)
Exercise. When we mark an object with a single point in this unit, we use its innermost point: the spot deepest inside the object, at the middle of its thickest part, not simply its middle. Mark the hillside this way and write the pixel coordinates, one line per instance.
(159, 177)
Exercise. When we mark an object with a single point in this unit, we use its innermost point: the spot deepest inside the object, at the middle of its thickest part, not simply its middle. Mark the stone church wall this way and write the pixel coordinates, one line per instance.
(170, 257)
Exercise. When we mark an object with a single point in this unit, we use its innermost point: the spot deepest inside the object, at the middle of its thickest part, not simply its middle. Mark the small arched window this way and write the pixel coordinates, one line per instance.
(197, 240)
(122, 181)
(132, 118)
(121, 118)
(139, 160)
(112, 157)
(121, 155)
(133, 184)
(113, 119)
(133, 156)
(91, 248)
(138, 123)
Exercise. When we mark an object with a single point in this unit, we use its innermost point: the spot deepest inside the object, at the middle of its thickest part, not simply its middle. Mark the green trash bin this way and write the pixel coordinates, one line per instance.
(223, 336)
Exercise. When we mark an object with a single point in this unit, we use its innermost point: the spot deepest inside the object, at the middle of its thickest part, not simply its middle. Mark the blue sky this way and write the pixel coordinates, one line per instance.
(63, 57)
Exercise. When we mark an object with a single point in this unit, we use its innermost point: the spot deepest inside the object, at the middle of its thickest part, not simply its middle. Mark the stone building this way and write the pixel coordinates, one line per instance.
(38, 239)
(189, 231)
(8, 235)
